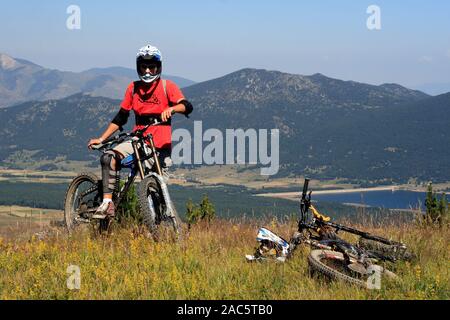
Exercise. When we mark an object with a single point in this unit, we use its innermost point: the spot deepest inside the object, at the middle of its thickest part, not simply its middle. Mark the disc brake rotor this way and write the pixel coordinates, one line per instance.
(358, 268)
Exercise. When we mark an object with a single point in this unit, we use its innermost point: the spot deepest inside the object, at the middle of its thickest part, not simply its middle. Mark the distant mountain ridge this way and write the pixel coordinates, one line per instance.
(328, 127)
(22, 80)
(131, 74)
(258, 86)
(332, 128)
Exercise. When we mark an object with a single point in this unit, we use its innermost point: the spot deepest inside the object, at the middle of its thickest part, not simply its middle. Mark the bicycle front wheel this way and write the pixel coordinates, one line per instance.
(333, 265)
(153, 207)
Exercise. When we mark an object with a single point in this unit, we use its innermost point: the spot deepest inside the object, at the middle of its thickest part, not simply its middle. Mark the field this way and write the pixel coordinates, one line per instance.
(21, 221)
(233, 175)
(205, 175)
(35, 252)
(209, 264)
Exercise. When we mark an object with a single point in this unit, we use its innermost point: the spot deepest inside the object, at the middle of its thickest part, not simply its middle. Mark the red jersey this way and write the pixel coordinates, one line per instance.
(151, 100)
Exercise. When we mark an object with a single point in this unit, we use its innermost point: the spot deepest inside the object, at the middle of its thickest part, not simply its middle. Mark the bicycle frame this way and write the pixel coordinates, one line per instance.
(137, 165)
(319, 220)
(122, 192)
(317, 231)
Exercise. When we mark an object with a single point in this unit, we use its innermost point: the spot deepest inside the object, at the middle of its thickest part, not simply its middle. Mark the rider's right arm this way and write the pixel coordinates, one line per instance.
(108, 132)
(121, 117)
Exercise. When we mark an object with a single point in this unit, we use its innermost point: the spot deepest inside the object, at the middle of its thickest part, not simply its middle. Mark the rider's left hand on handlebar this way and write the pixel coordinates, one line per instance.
(167, 114)
(94, 142)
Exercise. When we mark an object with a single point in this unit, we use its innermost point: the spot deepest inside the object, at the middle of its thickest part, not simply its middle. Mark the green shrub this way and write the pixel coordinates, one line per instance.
(128, 210)
(205, 211)
(437, 210)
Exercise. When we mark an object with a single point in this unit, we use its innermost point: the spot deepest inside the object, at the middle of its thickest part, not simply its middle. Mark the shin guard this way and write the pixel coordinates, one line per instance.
(109, 175)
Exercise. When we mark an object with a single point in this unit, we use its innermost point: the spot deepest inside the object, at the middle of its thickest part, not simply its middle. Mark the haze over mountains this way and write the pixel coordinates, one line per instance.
(434, 88)
(328, 127)
(22, 80)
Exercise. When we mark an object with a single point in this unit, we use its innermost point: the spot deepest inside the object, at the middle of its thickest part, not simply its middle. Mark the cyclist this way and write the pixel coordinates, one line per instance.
(149, 98)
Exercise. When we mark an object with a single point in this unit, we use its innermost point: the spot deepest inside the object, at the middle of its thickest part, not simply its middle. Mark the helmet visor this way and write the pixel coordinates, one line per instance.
(149, 68)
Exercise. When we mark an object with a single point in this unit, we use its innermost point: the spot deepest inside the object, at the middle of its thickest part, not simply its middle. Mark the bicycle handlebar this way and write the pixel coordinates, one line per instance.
(120, 137)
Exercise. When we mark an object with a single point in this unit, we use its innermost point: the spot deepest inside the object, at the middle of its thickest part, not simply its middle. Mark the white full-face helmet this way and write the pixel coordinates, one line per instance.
(150, 57)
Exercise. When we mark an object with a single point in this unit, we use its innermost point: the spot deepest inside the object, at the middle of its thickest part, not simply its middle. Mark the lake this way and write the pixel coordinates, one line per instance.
(400, 199)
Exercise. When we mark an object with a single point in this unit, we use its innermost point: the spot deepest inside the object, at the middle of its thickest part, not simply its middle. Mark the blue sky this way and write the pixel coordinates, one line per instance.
(205, 39)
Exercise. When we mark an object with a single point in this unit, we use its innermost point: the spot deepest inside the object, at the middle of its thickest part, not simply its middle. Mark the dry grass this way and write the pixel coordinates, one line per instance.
(21, 222)
(209, 264)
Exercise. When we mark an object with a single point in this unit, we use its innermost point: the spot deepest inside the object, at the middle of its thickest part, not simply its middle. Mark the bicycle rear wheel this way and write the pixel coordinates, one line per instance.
(83, 197)
(333, 265)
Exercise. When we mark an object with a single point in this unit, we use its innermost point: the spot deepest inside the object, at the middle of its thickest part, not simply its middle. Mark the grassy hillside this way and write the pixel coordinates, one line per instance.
(208, 265)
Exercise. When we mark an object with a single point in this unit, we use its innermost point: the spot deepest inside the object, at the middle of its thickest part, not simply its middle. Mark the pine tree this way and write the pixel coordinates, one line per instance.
(430, 204)
(205, 211)
(208, 212)
(443, 209)
(437, 211)
(192, 213)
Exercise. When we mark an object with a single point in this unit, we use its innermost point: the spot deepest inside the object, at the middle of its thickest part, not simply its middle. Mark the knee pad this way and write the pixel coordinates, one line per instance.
(105, 159)
(109, 176)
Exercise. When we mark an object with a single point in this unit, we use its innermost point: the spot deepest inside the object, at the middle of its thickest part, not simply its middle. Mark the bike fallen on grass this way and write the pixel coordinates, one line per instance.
(331, 255)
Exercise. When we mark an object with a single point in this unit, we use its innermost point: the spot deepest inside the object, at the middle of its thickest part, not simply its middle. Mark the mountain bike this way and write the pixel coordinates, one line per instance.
(85, 194)
(332, 256)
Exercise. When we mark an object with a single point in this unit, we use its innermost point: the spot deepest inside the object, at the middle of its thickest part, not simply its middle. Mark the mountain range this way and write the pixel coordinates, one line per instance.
(332, 128)
(328, 127)
(22, 80)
